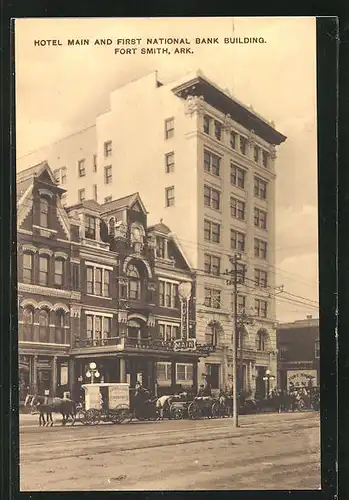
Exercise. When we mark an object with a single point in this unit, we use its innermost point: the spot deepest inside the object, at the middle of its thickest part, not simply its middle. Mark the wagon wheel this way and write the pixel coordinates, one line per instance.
(93, 416)
(113, 416)
(216, 410)
(193, 410)
(176, 413)
(81, 417)
(123, 414)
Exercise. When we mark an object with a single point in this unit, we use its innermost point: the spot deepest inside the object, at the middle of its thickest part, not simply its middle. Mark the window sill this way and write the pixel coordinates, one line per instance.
(98, 296)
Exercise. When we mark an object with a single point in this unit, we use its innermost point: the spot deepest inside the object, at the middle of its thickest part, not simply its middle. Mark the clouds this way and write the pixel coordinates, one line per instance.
(62, 89)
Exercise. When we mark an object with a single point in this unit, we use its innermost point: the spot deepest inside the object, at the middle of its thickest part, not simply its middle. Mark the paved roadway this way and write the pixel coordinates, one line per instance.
(267, 451)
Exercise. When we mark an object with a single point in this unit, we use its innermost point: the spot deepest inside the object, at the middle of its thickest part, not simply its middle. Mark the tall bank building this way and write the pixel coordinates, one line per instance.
(204, 163)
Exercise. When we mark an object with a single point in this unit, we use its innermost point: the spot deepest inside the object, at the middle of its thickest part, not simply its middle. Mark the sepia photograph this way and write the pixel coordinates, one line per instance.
(167, 254)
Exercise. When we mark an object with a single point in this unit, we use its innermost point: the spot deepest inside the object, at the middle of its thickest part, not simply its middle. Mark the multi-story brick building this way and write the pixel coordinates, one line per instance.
(96, 283)
(298, 346)
(205, 163)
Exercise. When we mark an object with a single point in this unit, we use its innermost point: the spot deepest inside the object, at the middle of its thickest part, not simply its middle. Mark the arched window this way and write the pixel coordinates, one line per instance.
(111, 227)
(59, 327)
(43, 326)
(28, 320)
(44, 210)
(261, 340)
(134, 282)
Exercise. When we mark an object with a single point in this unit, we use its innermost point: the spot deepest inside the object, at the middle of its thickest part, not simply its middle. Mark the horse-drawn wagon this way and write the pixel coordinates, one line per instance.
(107, 403)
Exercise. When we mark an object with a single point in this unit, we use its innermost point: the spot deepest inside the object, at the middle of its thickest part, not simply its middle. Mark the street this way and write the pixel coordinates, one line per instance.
(268, 451)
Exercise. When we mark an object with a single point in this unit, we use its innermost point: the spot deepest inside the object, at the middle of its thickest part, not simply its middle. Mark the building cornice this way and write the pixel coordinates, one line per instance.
(51, 292)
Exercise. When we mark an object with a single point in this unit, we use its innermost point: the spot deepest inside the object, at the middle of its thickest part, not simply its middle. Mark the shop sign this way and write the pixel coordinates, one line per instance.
(301, 378)
(119, 394)
(184, 345)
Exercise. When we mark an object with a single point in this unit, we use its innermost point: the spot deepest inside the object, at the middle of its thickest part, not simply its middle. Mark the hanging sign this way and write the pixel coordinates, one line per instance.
(184, 345)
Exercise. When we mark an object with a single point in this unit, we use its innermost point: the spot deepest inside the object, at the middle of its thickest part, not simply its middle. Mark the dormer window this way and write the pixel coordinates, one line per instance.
(44, 210)
(160, 247)
(90, 227)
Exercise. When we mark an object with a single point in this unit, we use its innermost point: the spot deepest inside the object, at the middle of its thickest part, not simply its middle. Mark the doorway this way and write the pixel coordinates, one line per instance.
(260, 383)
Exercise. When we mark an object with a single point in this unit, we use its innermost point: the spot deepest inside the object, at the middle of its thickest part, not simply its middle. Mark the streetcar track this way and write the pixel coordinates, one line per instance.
(161, 444)
(205, 426)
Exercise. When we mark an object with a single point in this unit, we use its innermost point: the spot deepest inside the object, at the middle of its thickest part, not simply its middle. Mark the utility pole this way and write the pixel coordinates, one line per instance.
(234, 261)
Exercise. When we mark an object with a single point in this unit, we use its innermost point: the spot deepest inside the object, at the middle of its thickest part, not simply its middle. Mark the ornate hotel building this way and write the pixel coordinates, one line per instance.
(205, 163)
(96, 283)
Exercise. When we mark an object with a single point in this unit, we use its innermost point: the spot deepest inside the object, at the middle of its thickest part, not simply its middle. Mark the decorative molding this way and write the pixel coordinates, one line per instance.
(194, 104)
(45, 192)
(45, 251)
(252, 138)
(24, 209)
(52, 292)
(59, 305)
(97, 313)
(29, 302)
(75, 311)
(101, 266)
(45, 304)
(136, 257)
(228, 123)
(151, 320)
(122, 317)
(29, 248)
(138, 316)
(61, 255)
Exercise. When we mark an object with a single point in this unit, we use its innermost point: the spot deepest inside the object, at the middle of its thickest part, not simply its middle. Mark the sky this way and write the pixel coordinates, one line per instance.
(60, 89)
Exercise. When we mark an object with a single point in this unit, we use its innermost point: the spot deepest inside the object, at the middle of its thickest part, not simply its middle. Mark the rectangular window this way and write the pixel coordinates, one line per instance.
(261, 278)
(207, 122)
(243, 145)
(95, 192)
(163, 371)
(184, 372)
(218, 130)
(98, 281)
(60, 175)
(212, 298)
(241, 273)
(261, 307)
(237, 208)
(43, 270)
(237, 176)
(211, 198)
(211, 231)
(90, 227)
(94, 163)
(81, 168)
(107, 199)
(81, 194)
(27, 267)
(212, 264)
(160, 247)
(233, 140)
(169, 162)
(237, 240)
(260, 218)
(169, 128)
(260, 188)
(170, 196)
(241, 303)
(168, 294)
(108, 174)
(59, 267)
(98, 328)
(260, 248)
(265, 159)
(211, 163)
(256, 153)
(107, 148)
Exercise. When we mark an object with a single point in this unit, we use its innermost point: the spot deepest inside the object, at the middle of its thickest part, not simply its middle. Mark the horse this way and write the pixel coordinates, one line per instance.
(49, 405)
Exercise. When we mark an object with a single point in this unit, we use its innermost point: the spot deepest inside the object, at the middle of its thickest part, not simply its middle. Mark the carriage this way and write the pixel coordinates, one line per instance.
(105, 403)
(204, 406)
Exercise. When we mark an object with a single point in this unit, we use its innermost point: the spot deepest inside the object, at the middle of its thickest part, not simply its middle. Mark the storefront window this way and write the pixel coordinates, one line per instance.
(184, 372)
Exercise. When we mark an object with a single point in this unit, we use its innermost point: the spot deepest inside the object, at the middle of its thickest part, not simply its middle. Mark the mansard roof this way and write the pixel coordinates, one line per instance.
(124, 202)
(89, 204)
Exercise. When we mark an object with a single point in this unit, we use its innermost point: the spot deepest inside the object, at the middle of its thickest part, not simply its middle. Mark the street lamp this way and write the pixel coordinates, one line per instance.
(92, 372)
(267, 379)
